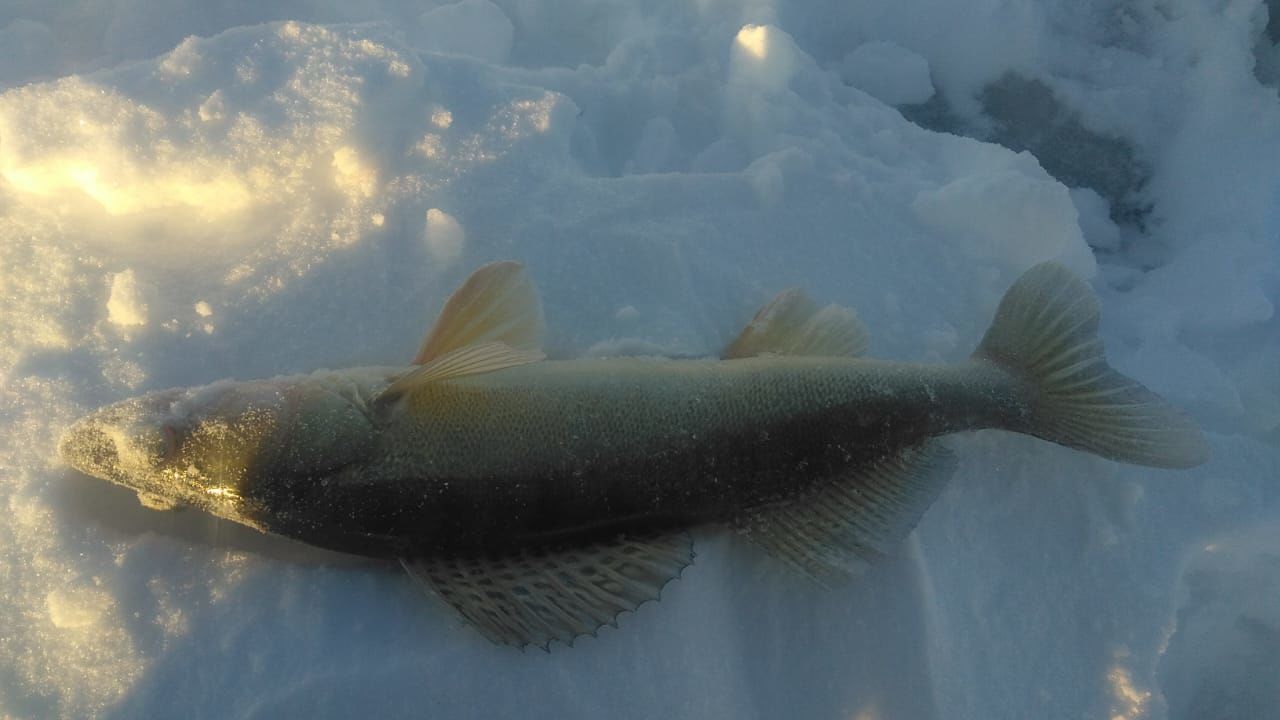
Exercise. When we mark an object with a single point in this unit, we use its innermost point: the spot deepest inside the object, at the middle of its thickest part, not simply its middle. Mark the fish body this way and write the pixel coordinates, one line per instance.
(541, 498)
(566, 450)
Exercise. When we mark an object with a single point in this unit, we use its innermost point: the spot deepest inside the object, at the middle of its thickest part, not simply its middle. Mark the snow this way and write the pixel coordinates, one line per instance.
(193, 190)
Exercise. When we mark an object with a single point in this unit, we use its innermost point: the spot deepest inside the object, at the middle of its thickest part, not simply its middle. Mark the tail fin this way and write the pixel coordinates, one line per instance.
(1046, 332)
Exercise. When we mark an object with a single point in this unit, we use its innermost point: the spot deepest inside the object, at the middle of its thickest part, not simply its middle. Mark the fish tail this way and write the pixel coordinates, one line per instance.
(1045, 333)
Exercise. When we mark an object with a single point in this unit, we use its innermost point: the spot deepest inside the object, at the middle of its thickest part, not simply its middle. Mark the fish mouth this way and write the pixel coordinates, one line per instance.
(87, 448)
(122, 442)
(90, 448)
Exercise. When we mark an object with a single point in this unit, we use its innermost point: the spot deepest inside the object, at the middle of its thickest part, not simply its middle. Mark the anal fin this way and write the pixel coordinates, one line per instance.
(842, 525)
(535, 595)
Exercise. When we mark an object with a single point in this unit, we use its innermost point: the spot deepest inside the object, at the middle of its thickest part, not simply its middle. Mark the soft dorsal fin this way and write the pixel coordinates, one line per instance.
(469, 360)
(534, 595)
(497, 304)
(839, 527)
(792, 324)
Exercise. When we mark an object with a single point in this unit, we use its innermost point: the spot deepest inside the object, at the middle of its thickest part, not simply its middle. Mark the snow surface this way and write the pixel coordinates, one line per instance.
(188, 194)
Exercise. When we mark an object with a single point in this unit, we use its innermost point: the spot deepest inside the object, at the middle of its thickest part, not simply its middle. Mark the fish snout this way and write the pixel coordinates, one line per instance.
(122, 441)
(85, 447)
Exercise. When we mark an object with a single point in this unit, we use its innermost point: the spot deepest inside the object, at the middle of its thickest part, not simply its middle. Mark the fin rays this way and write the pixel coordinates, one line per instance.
(834, 530)
(792, 324)
(492, 322)
(1045, 332)
(497, 303)
(533, 596)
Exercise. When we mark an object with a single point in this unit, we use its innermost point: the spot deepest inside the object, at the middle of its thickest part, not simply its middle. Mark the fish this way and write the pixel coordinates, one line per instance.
(542, 499)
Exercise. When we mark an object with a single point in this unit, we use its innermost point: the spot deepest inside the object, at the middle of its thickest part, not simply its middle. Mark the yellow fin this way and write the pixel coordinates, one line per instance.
(792, 324)
(471, 360)
(833, 530)
(1045, 332)
(497, 304)
(534, 595)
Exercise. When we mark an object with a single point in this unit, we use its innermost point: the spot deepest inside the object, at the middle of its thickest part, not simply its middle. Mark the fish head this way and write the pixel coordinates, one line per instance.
(198, 447)
(238, 450)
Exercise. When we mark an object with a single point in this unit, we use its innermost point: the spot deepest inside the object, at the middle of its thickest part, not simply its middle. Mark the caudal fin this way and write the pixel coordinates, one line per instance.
(1046, 332)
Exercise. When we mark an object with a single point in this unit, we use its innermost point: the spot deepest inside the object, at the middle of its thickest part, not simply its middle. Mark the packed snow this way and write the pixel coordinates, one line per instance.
(198, 190)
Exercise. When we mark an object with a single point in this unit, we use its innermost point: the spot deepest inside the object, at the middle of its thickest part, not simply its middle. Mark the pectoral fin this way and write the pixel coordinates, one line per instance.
(841, 526)
(537, 595)
(498, 303)
(792, 324)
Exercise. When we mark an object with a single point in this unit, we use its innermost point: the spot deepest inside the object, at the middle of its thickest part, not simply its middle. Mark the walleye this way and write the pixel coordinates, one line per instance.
(541, 499)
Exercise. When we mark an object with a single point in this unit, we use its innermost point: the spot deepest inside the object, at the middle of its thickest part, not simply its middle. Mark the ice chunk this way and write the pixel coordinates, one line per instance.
(768, 175)
(1216, 287)
(111, 150)
(889, 72)
(352, 174)
(1095, 219)
(763, 57)
(182, 60)
(127, 306)
(1008, 215)
(75, 608)
(657, 149)
(444, 236)
(471, 27)
(213, 108)
(1223, 654)
(1029, 116)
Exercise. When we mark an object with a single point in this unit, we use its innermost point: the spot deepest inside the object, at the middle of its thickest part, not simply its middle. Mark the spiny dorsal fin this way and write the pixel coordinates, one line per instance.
(535, 595)
(792, 324)
(839, 527)
(470, 360)
(498, 303)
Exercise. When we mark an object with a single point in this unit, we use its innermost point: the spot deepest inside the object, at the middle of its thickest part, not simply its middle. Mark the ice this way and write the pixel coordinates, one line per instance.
(1093, 213)
(471, 27)
(1224, 651)
(192, 191)
(127, 304)
(763, 57)
(444, 236)
(1003, 215)
(888, 71)
(77, 609)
